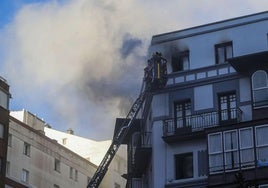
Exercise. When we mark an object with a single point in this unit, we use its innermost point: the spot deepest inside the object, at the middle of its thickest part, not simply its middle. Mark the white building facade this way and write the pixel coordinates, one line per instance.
(94, 151)
(41, 157)
(208, 124)
(34, 160)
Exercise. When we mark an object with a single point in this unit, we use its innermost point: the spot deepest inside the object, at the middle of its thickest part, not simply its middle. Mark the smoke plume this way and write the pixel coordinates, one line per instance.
(79, 63)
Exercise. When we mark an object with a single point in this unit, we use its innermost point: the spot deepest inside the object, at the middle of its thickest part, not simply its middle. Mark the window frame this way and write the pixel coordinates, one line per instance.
(249, 164)
(265, 88)
(185, 119)
(2, 131)
(57, 165)
(234, 151)
(180, 159)
(9, 141)
(260, 145)
(224, 46)
(8, 168)
(219, 152)
(231, 112)
(178, 63)
(25, 176)
(27, 149)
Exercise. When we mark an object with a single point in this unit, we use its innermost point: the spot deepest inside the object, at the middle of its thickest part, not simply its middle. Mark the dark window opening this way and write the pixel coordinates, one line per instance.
(184, 166)
(223, 52)
(180, 62)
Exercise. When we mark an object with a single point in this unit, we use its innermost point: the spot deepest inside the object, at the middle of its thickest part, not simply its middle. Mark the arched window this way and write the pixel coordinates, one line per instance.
(260, 88)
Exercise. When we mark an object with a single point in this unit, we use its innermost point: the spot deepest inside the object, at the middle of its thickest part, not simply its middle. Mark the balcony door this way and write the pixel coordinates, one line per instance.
(227, 108)
(182, 114)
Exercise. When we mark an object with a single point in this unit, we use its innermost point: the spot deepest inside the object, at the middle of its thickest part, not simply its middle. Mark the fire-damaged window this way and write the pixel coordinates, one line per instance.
(260, 88)
(223, 52)
(184, 166)
(181, 61)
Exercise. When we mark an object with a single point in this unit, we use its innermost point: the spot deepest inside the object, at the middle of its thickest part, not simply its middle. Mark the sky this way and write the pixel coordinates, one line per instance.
(79, 63)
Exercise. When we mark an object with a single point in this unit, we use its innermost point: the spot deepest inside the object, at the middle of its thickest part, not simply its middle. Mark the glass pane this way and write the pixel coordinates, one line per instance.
(259, 79)
(247, 157)
(215, 144)
(262, 154)
(261, 135)
(231, 160)
(261, 95)
(246, 138)
(2, 131)
(230, 140)
(185, 63)
(3, 99)
(215, 162)
(229, 51)
(220, 52)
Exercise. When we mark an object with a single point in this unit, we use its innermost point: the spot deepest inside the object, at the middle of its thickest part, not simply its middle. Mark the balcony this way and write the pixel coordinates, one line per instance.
(140, 152)
(195, 123)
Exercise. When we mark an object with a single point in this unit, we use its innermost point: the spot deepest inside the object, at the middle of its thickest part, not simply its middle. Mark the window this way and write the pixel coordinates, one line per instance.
(76, 175)
(71, 173)
(231, 150)
(227, 107)
(26, 149)
(260, 88)
(215, 152)
(181, 61)
(4, 99)
(184, 166)
(10, 140)
(182, 114)
(262, 145)
(246, 147)
(223, 51)
(2, 129)
(238, 149)
(263, 186)
(57, 165)
(25, 176)
(8, 168)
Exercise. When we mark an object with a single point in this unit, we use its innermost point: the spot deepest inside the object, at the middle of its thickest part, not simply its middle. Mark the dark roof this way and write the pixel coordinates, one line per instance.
(250, 62)
(134, 127)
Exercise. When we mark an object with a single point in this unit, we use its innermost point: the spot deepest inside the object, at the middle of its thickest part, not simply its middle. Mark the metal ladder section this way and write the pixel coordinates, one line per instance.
(118, 139)
(155, 78)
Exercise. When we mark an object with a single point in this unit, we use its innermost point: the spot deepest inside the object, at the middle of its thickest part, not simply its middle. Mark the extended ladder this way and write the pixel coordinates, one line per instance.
(155, 77)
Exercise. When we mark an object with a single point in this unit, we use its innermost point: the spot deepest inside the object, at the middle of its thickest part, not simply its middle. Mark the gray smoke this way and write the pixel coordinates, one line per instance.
(79, 64)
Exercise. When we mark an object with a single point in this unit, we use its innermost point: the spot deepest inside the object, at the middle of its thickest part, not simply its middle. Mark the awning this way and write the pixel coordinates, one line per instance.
(250, 62)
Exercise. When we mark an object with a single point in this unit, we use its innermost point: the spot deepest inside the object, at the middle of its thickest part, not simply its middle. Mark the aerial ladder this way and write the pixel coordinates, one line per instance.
(155, 78)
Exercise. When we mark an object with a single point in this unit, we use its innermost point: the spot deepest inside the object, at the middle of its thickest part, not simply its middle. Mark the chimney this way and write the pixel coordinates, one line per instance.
(70, 131)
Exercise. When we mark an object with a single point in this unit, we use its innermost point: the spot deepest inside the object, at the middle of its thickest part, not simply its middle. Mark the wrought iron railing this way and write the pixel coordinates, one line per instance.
(141, 140)
(197, 122)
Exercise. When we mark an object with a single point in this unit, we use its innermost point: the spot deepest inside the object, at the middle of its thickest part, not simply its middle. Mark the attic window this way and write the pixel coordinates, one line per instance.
(223, 52)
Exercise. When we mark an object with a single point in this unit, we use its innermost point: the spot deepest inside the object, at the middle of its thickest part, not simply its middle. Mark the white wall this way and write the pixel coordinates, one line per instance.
(40, 163)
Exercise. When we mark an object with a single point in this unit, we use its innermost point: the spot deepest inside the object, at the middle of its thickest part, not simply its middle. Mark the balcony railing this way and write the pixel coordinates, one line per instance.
(141, 140)
(198, 122)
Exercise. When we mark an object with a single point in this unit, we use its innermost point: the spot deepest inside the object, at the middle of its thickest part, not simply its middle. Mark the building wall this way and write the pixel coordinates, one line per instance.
(94, 151)
(40, 163)
(202, 84)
